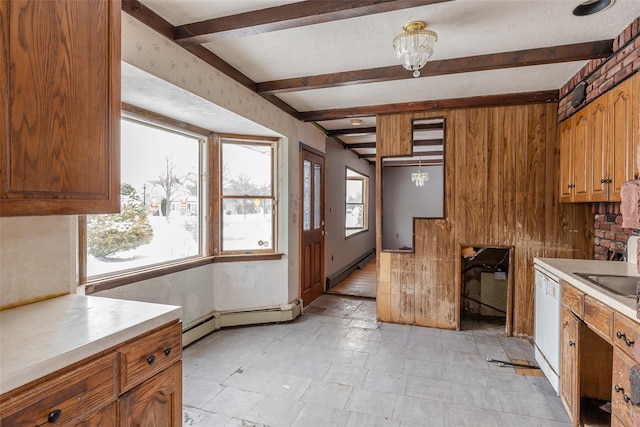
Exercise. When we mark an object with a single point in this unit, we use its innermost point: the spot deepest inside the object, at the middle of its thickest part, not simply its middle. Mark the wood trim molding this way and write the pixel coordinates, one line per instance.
(137, 112)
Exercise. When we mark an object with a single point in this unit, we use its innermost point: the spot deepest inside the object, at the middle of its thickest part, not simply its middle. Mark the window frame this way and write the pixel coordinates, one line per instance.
(123, 277)
(364, 180)
(244, 254)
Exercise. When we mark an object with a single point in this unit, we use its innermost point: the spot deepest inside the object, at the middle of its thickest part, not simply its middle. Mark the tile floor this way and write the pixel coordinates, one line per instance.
(337, 366)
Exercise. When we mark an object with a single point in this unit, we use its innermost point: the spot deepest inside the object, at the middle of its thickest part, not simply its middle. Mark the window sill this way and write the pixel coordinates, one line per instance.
(357, 233)
(248, 257)
(113, 282)
(116, 281)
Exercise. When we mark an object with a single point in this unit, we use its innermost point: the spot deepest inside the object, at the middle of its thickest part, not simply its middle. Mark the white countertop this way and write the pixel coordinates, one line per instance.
(40, 338)
(565, 269)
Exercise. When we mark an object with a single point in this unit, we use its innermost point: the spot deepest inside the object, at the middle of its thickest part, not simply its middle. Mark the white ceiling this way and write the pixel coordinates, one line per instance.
(465, 28)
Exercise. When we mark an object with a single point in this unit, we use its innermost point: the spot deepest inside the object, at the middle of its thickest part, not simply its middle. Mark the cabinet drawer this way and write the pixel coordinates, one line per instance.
(621, 406)
(144, 357)
(599, 317)
(69, 398)
(573, 299)
(626, 334)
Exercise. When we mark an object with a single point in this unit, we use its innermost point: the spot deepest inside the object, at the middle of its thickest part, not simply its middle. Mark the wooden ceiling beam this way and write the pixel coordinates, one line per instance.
(285, 17)
(351, 131)
(416, 143)
(392, 163)
(415, 154)
(493, 61)
(372, 130)
(433, 105)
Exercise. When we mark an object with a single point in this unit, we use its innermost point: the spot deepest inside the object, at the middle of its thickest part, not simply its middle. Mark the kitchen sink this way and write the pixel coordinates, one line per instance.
(620, 285)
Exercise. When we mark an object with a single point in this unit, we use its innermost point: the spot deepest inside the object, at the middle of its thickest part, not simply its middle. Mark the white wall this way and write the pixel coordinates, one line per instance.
(341, 251)
(37, 258)
(39, 254)
(224, 286)
(402, 201)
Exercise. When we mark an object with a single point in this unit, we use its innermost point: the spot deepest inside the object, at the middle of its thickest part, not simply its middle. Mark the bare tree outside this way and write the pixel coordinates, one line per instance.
(172, 183)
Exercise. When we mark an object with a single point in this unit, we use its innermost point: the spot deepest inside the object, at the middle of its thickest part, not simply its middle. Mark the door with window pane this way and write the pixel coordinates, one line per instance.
(312, 253)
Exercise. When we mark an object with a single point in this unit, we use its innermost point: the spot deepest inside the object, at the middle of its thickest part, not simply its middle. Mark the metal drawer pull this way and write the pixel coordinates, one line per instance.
(151, 359)
(571, 344)
(54, 415)
(628, 342)
(620, 334)
(619, 389)
(167, 351)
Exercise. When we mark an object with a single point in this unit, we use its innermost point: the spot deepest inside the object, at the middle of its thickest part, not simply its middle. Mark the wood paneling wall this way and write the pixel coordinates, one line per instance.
(501, 189)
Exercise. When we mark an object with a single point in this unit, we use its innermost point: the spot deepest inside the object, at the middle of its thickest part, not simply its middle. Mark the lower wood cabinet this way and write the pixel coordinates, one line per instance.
(625, 356)
(106, 417)
(89, 393)
(156, 402)
(570, 362)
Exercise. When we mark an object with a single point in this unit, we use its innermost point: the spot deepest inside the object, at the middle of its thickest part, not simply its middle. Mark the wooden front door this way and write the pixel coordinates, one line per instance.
(312, 253)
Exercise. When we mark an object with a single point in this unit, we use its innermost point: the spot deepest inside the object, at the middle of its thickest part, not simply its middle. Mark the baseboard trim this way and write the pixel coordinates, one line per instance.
(223, 319)
(359, 263)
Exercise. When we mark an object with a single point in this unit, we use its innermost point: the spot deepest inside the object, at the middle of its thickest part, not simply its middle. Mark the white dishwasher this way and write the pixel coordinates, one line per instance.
(547, 324)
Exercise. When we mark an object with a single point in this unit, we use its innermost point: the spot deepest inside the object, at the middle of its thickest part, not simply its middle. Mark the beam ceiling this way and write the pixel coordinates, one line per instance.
(316, 11)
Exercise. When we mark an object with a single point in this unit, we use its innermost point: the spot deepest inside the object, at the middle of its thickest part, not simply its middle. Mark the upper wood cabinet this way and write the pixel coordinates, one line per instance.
(599, 158)
(60, 97)
(598, 146)
(624, 129)
(574, 158)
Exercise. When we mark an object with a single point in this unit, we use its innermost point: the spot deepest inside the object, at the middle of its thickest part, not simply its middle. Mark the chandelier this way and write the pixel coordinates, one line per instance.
(419, 178)
(414, 46)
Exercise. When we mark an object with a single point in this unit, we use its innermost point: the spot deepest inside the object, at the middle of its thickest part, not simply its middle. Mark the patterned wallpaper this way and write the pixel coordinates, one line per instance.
(146, 49)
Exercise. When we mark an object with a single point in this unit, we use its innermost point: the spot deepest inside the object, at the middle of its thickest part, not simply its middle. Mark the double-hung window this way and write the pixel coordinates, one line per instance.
(161, 219)
(357, 197)
(247, 195)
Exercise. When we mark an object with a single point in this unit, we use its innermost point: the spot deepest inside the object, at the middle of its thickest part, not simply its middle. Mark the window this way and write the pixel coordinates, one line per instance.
(247, 218)
(357, 200)
(161, 203)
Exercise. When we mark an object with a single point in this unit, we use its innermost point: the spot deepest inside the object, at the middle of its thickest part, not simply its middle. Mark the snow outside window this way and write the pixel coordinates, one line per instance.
(247, 193)
(357, 199)
(160, 221)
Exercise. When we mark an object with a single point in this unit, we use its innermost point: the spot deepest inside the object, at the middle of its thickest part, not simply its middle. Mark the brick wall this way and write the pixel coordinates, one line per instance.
(602, 74)
(609, 234)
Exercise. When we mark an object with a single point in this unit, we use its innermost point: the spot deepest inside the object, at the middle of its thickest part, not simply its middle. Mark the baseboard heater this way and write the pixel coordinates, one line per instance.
(223, 319)
(359, 263)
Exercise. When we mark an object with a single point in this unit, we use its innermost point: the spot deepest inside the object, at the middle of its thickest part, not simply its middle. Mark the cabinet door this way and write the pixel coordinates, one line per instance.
(581, 156)
(107, 417)
(156, 402)
(566, 161)
(623, 135)
(60, 124)
(598, 169)
(569, 362)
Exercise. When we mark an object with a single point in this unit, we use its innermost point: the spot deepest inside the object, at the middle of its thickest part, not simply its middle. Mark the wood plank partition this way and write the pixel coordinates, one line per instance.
(501, 189)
